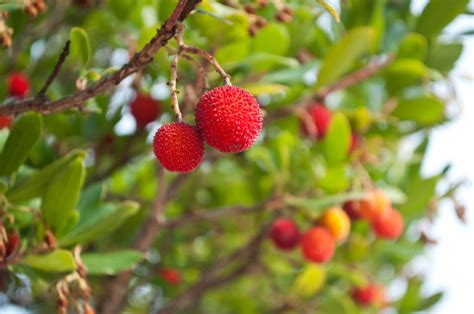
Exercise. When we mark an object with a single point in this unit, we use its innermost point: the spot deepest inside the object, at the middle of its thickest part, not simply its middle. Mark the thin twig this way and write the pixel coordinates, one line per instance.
(174, 74)
(55, 72)
(210, 58)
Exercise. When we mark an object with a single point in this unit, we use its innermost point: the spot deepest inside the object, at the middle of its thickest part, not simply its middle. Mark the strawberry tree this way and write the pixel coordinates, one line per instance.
(220, 156)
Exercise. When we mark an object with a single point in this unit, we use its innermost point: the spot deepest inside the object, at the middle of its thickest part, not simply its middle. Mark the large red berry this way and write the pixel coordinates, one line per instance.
(229, 119)
(318, 245)
(388, 226)
(284, 234)
(371, 294)
(144, 109)
(178, 147)
(18, 85)
(5, 121)
(321, 117)
(170, 276)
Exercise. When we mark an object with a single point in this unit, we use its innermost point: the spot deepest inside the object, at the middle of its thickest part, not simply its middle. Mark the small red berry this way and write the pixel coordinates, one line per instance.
(171, 276)
(389, 226)
(178, 147)
(321, 117)
(145, 110)
(284, 234)
(318, 245)
(18, 85)
(352, 209)
(371, 294)
(5, 121)
(13, 244)
(229, 119)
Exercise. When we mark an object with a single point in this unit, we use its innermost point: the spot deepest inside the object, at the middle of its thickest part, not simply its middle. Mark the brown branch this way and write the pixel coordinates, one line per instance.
(210, 58)
(356, 77)
(211, 215)
(107, 83)
(217, 276)
(55, 72)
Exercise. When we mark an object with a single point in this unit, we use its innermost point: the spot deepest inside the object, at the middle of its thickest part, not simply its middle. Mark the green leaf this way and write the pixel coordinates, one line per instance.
(430, 301)
(62, 194)
(425, 110)
(25, 133)
(273, 38)
(320, 203)
(336, 143)
(419, 193)
(334, 179)
(443, 57)
(35, 185)
(4, 133)
(437, 15)
(98, 221)
(330, 9)
(80, 45)
(57, 261)
(413, 46)
(111, 263)
(341, 56)
(259, 88)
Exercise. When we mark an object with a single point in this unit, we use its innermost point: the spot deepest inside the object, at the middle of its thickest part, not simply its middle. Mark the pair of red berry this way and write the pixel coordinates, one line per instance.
(317, 244)
(228, 118)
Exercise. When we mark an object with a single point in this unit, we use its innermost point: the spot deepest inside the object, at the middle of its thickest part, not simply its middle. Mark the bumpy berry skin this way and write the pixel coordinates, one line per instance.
(318, 245)
(389, 226)
(369, 295)
(178, 147)
(18, 85)
(170, 275)
(285, 234)
(144, 109)
(321, 117)
(5, 121)
(337, 222)
(229, 119)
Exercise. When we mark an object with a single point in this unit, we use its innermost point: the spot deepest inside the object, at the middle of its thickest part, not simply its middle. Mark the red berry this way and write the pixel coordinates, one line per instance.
(352, 209)
(18, 85)
(318, 245)
(145, 110)
(229, 119)
(389, 226)
(5, 121)
(170, 276)
(13, 244)
(321, 117)
(178, 147)
(284, 234)
(369, 295)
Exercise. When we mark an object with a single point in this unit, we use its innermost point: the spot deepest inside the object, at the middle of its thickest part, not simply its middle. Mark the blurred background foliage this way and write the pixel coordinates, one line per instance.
(90, 179)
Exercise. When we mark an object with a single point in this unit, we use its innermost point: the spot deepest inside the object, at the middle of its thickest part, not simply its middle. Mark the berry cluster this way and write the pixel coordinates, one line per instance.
(228, 118)
(333, 227)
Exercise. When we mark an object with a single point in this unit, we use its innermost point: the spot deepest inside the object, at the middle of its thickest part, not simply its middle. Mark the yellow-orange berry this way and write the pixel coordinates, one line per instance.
(337, 222)
(375, 206)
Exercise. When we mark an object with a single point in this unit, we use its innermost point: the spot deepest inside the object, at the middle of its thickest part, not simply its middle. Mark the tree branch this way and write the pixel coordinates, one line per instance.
(54, 73)
(107, 83)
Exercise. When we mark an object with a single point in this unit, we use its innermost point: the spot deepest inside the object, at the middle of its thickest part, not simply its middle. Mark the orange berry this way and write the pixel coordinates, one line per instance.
(337, 222)
(376, 205)
(317, 245)
(371, 294)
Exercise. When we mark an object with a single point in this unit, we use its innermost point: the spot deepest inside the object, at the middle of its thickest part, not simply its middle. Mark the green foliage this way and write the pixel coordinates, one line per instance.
(82, 178)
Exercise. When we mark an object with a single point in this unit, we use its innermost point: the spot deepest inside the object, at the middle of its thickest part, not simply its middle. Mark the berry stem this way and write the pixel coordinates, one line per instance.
(174, 75)
(210, 58)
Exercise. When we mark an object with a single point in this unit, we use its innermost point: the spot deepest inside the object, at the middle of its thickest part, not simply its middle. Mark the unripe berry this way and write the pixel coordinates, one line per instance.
(389, 226)
(318, 245)
(229, 119)
(171, 276)
(144, 109)
(5, 121)
(337, 222)
(178, 147)
(321, 118)
(284, 234)
(369, 295)
(18, 85)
